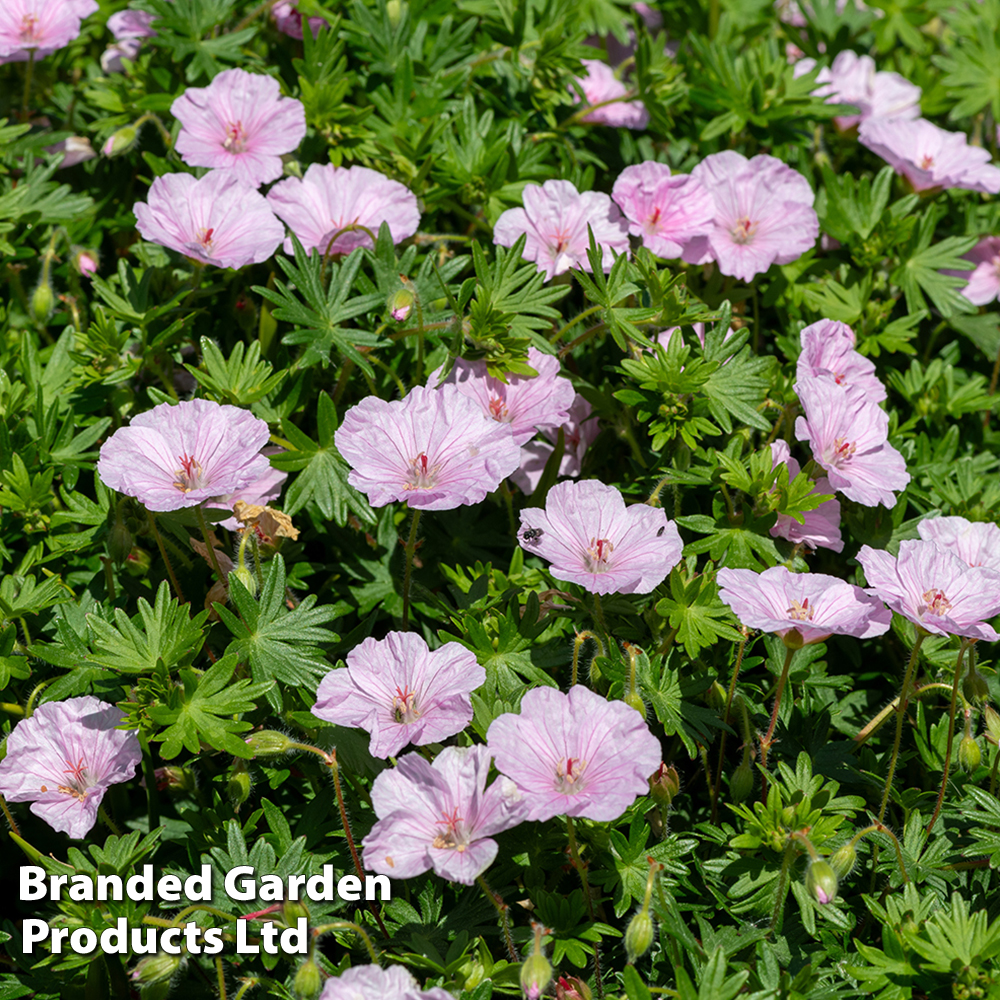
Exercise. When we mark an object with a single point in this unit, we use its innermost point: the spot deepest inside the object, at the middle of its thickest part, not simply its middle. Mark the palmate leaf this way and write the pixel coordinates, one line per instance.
(277, 643)
(165, 631)
(322, 472)
(237, 379)
(319, 320)
(201, 710)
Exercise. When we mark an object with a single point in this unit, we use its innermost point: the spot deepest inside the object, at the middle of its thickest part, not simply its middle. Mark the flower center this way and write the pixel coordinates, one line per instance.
(842, 450)
(236, 137)
(205, 239)
(743, 230)
(404, 708)
(190, 476)
(935, 602)
(451, 837)
(568, 775)
(30, 33)
(926, 161)
(498, 408)
(422, 474)
(800, 612)
(78, 784)
(597, 556)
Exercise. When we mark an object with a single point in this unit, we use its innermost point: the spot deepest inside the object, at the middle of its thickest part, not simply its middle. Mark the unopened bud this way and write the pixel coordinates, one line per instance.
(821, 881)
(120, 541)
(992, 720)
(969, 754)
(741, 783)
(639, 935)
(665, 784)
(86, 262)
(844, 860)
(715, 697)
(121, 141)
(536, 972)
(246, 312)
(246, 577)
(394, 10)
(975, 688)
(308, 980)
(572, 988)
(294, 910)
(634, 700)
(268, 743)
(402, 302)
(157, 968)
(42, 300)
(239, 785)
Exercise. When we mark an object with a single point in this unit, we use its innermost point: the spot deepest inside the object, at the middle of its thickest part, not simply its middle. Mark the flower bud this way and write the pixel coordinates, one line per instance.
(844, 860)
(394, 10)
(402, 302)
(121, 141)
(120, 541)
(239, 785)
(992, 720)
(639, 935)
(536, 974)
(969, 754)
(665, 784)
(42, 300)
(294, 910)
(572, 988)
(86, 262)
(245, 312)
(246, 577)
(634, 700)
(741, 783)
(269, 743)
(975, 688)
(821, 881)
(308, 980)
(157, 968)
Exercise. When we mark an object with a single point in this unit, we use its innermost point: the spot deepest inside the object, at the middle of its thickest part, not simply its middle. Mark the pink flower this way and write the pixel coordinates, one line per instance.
(289, 20)
(240, 123)
(801, 607)
(976, 543)
(365, 982)
(555, 217)
(329, 200)
(928, 156)
(217, 219)
(579, 432)
(112, 56)
(934, 588)
(85, 261)
(82, 8)
(599, 86)
(39, 26)
(763, 214)
(828, 351)
(440, 816)
(131, 24)
(76, 149)
(591, 538)
(401, 692)
(820, 528)
(258, 493)
(849, 438)
(574, 754)
(666, 210)
(434, 448)
(64, 757)
(984, 279)
(852, 79)
(175, 456)
(526, 403)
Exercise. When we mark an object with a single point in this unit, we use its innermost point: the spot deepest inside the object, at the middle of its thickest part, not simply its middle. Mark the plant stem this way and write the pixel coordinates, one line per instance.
(599, 616)
(10, 819)
(213, 557)
(900, 715)
(149, 772)
(722, 739)
(501, 907)
(581, 638)
(574, 852)
(166, 559)
(411, 548)
(331, 761)
(108, 821)
(28, 73)
(220, 971)
(558, 335)
(765, 743)
(779, 902)
(508, 499)
(966, 643)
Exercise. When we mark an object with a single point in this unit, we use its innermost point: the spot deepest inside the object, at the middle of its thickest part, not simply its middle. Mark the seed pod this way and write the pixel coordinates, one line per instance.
(969, 754)
(844, 860)
(268, 743)
(639, 935)
(308, 980)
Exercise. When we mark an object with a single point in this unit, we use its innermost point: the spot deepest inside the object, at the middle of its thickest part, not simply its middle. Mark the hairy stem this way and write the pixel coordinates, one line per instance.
(166, 559)
(501, 907)
(581, 868)
(765, 743)
(411, 548)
